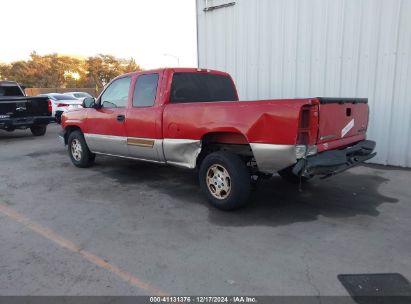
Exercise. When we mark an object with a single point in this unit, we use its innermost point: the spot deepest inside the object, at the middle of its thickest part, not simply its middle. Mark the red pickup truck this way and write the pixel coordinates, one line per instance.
(192, 118)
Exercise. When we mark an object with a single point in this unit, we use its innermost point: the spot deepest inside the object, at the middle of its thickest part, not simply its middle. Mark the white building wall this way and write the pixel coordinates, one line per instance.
(308, 48)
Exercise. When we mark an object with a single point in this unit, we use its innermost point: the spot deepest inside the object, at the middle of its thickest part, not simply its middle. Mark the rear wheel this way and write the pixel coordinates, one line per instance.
(79, 152)
(225, 180)
(38, 130)
(288, 175)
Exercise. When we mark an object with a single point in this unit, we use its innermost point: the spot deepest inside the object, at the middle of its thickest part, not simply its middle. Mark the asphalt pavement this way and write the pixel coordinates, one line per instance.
(125, 227)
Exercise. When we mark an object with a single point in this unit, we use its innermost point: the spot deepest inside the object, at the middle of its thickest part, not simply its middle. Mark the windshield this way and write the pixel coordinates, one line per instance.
(202, 87)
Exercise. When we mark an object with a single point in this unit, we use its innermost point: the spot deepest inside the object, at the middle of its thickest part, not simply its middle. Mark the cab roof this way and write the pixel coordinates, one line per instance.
(177, 70)
(8, 83)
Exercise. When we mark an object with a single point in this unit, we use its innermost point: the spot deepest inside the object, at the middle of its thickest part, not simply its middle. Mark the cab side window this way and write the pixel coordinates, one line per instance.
(145, 90)
(116, 95)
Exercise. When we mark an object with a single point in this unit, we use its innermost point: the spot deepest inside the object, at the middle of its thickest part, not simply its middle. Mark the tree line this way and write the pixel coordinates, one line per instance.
(55, 71)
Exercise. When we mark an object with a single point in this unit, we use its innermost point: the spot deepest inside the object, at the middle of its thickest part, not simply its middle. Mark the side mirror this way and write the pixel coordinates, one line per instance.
(88, 102)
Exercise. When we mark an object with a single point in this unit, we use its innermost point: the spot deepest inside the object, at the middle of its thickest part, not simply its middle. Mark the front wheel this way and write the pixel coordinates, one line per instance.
(79, 152)
(225, 180)
(38, 130)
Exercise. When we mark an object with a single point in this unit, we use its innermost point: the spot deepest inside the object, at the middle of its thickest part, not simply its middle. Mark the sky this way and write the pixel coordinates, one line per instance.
(143, 29)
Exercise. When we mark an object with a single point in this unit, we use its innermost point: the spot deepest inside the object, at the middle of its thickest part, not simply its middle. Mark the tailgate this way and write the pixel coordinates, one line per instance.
(24, 106)
(342, 118)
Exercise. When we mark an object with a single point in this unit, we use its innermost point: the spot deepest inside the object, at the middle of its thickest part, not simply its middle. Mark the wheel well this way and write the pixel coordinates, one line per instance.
(231, 142)
(225, 137)
(68, 131)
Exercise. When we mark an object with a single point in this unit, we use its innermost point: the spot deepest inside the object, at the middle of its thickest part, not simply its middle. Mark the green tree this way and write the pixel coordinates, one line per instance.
(18, 71)
(102, 68)
(54, 71)
(4, 71)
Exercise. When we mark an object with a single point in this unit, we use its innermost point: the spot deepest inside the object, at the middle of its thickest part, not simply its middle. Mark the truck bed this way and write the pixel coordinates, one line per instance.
(338, 121)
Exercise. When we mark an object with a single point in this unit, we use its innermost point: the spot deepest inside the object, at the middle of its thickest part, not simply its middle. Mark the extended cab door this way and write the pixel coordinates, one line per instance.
(144, 119)
(105, 129)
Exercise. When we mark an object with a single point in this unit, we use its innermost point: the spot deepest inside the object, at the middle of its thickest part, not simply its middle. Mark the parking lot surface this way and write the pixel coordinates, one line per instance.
(129, 228)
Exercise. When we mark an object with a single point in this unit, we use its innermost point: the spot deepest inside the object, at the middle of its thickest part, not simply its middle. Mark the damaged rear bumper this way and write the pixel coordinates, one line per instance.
(335, 161)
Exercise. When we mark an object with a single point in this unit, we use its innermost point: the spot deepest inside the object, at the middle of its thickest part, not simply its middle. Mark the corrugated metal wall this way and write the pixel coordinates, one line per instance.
(307, 48)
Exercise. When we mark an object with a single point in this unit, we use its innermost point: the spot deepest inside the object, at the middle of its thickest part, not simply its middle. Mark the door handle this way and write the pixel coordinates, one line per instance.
(121, 118)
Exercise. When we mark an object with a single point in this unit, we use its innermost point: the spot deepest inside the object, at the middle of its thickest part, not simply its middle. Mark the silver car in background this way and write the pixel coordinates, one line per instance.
(78, 95)
(61, 103)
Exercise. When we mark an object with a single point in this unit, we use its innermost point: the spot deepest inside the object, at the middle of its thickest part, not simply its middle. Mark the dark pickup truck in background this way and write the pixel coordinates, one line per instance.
(18, 111)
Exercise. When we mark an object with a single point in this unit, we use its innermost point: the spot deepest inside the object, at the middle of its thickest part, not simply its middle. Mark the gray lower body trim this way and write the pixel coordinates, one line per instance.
(178, 152)
(181, 152)
(273, 158)
(131, 147)
(107, 144)
(133, 158)
(153, 152)
(184, 152)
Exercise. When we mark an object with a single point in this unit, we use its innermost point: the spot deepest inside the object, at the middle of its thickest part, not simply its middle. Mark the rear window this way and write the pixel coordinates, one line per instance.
(201, 87)
(145, 90)
(10, 91)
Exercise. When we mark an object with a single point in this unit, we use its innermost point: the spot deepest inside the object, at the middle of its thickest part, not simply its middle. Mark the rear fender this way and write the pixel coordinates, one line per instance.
(189, 153)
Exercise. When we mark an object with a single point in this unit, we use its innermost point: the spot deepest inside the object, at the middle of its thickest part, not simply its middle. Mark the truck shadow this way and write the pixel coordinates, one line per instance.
(4, 135)
(275, 202)
(24, 135)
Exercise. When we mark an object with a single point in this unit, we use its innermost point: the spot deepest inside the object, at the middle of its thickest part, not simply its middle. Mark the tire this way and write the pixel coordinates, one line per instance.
(78, 150)
(225, 180)
(288, 175)
(38, 130)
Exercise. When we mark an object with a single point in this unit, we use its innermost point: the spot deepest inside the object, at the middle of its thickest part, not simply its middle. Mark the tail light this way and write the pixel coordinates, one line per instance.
(49, 106)
(62, 105)
(307, 131)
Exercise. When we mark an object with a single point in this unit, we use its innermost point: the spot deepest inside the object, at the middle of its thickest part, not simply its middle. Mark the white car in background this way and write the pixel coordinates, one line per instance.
(78, 95)
(61, 103)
